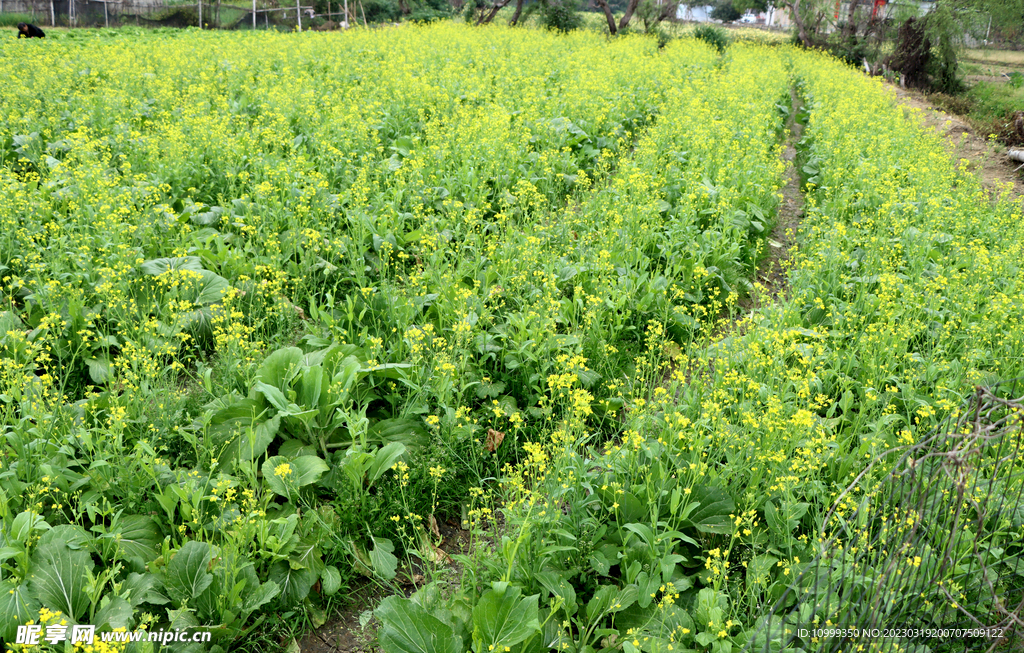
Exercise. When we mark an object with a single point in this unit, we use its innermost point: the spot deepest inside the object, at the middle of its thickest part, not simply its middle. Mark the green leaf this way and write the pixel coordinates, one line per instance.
(280, 367)
(186, 576)
(385, 458)
(285, 477)
(25, 523)
(409, 432)
(59, 578)
(17, 606)
(114, 612)
(264, 594)
(502, 619)
(137, 536)
(99, 369)
(274, 396)
(647, 585)
(309, 386)
(408, 628)
(558, 586)
(385, 564)
(158, 266)
(211, 288)
(136, 588)
(310, 469)
(330, 580)
(712, 515)
(293, 583)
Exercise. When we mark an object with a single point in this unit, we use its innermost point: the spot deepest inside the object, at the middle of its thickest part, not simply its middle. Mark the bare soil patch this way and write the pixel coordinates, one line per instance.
(344, 633)
(772, 269)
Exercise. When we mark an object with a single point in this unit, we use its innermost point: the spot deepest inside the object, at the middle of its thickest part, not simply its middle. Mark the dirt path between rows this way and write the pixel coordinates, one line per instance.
(985, 158)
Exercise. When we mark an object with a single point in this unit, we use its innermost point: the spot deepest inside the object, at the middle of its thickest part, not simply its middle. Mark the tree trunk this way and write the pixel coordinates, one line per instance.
(489, 16)
(667, 12)
(630, 10)
(603, 4)
(801, 29)
(518, 13)
(850, 28)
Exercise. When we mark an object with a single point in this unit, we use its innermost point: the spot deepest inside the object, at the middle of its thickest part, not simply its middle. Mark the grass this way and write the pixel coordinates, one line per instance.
(1009, 57)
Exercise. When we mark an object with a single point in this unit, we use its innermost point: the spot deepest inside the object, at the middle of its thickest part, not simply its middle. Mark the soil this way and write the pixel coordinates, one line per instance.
(984, 158)
(344, 633)
(772, 269)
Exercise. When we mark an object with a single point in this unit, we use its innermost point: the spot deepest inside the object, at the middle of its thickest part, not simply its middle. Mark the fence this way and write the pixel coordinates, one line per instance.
(157, 13)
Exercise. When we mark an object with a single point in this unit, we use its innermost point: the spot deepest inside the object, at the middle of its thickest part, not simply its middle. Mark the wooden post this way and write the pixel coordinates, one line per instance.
(53, 17)
(106, 18)
(254, 14)
(200, 14)
(348, 21)
(298, 14)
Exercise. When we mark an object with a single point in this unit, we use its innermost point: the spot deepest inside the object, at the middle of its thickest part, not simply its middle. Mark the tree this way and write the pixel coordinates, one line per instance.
(726, 12)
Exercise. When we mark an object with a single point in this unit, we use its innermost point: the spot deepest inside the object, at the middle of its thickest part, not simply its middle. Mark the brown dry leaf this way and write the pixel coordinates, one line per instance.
(433, 527)
(441, 557)
(494, 439)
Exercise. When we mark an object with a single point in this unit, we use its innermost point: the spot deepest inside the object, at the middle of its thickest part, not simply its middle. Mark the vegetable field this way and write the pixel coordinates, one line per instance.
(278, 310)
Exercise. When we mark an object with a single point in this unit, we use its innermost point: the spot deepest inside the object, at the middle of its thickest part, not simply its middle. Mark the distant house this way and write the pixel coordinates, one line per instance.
(702, 14)
(697, 13)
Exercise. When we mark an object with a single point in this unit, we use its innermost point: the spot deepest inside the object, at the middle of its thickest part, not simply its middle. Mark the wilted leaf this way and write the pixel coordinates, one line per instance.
(494, 440)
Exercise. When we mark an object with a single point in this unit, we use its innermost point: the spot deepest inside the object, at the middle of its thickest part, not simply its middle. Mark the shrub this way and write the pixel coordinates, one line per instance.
(713, 36)
(561, 16)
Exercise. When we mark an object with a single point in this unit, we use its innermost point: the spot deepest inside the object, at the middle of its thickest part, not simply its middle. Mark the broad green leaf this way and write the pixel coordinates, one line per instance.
(280, 367)
(99, 369)
(114, 612)
(158, 266)
(59, 577)
(25, 523)
(647, 587)
(310, 469)
(293, 583)
(385, 564)
(409, 432)
(264, 594)
(211, 288)
(136, 588)
(308, 387)
(408, 628)
(503, 619)
(274, 396)
(285, 476)
(186, 577)
(330, 580)
(558, 586)
(599, 604)
(137, 536)
(712, 515)
(759, 570)
(17, 606)
(385, 457)
(73, 535)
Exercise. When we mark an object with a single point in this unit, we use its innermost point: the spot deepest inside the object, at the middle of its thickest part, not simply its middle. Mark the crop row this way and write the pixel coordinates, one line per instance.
(273, 303)
(718, 519)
